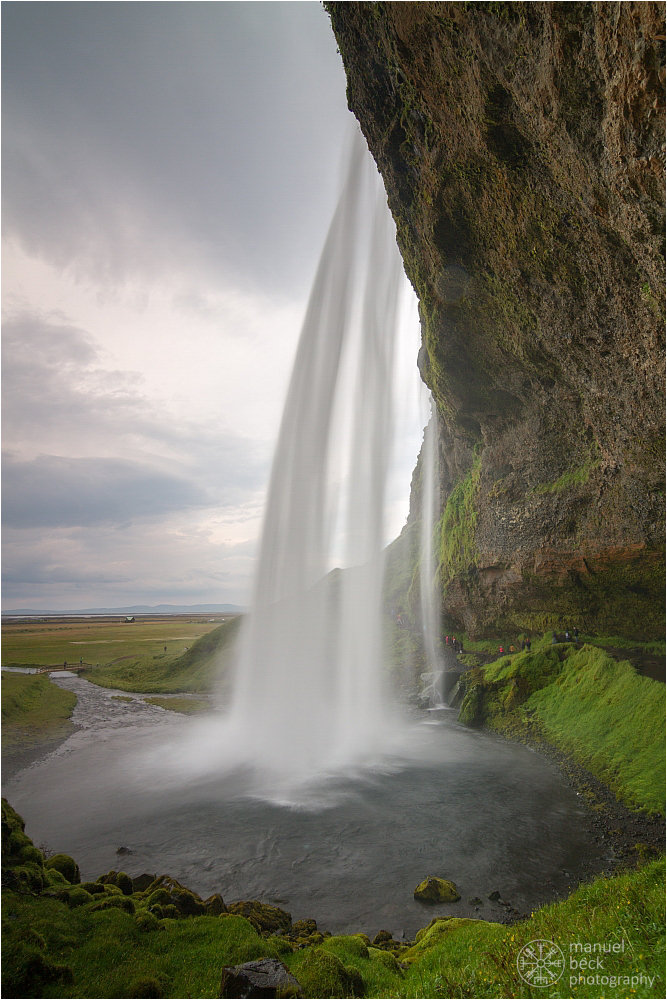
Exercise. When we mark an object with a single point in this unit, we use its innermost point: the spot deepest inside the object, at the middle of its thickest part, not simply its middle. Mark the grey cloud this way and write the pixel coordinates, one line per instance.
(55, 392)
(143, 130)
(63, 492)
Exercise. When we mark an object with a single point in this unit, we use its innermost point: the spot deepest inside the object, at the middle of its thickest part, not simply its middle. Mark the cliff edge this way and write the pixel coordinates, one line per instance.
(523, 152)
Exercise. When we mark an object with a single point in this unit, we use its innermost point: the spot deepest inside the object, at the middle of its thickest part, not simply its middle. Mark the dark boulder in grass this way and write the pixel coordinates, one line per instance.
(436, 890)
(266, 978)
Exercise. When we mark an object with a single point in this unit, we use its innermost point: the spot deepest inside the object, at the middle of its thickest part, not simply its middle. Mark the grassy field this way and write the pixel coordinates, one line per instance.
(195, 670)
(46, 644)
(33, 707)
(94, 940)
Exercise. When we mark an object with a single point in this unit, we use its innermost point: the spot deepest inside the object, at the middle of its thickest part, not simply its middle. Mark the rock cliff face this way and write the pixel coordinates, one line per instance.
(522, 149)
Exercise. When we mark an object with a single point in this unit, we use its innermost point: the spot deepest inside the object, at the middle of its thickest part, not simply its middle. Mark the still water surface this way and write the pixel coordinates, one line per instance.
(459, 804)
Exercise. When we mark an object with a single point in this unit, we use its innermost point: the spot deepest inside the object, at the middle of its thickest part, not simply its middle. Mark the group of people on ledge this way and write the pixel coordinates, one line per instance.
(525, 645)
(451, 640)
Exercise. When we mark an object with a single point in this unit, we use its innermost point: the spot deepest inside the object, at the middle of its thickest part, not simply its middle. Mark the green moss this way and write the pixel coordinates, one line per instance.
(66, 865)
(458, 553)
(573, 477)
(611, 720)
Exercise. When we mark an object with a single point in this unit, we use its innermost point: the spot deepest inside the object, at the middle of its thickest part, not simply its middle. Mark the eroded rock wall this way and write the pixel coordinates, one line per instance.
(522, 149)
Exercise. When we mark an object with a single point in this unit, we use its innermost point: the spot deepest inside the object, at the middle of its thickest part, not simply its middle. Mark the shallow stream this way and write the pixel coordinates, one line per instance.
(460, 804)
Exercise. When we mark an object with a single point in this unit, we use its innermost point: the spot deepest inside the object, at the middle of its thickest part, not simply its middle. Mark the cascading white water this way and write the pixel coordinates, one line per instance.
(308, 681)
(308, 699)
(433, 678)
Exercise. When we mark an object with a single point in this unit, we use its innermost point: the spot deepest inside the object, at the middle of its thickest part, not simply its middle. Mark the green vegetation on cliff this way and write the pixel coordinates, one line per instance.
(599, 711)
(457, 526)
(193, 671)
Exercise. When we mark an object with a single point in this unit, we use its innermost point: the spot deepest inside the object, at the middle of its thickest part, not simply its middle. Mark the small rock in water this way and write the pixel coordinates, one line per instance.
(436, 890)
(264, 978)
(475, 901)
(494, 896)
(124, 850)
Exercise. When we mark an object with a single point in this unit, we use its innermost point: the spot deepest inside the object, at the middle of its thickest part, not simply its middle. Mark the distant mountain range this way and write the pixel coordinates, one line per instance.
(139, 609)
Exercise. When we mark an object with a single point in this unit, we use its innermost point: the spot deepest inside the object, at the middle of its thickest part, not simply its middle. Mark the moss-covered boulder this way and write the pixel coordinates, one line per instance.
(215, 905)
(119, 902)
(124, 883)
(264, 918)
(322, 974)
(66, 865)
(147, 921)
(436, 890)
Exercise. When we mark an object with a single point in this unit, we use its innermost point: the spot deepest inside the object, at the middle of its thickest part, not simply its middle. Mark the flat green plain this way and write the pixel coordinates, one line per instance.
(103, 642)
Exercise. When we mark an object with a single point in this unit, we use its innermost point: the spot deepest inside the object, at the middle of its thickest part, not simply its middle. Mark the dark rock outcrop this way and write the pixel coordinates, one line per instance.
(265, 978)
(522, 149)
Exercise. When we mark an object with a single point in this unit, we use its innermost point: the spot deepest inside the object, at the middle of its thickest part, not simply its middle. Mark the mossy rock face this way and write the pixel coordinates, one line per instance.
(66, 865)
(436, 890)
(322, 974)
(262, 916)
(521, 273)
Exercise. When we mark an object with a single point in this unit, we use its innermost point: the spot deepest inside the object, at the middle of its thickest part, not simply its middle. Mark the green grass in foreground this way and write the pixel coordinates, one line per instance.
(601, 712)
(111, 952)
(32, 706)
(193, 671)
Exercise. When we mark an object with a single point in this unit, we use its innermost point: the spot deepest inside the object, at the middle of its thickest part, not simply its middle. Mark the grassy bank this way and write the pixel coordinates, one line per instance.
(33, 708)
(194, 670)
(116, 938)
(599, 711)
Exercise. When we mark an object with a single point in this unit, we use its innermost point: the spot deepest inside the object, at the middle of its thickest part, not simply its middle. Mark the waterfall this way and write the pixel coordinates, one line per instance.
(309, 675)
(433, 678)
(308, 698)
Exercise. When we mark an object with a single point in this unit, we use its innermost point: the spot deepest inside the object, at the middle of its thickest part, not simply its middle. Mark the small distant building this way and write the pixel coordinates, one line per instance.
(129, 618)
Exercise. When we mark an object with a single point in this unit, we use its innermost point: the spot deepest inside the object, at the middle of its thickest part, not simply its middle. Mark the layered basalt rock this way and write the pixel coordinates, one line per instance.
(522, 149)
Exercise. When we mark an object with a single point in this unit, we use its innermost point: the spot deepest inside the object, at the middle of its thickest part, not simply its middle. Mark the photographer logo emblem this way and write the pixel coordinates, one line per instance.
(540, 963)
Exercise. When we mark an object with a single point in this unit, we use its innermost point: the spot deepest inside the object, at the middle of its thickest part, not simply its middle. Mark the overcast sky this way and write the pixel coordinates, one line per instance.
(170, 170)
